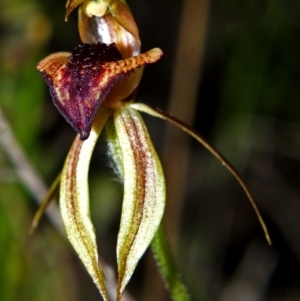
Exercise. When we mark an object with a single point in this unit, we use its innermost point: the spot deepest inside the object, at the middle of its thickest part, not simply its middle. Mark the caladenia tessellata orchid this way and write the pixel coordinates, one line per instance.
(93, 87)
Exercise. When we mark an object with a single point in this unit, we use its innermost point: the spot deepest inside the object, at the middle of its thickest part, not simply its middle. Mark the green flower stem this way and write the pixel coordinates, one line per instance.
(167, 266)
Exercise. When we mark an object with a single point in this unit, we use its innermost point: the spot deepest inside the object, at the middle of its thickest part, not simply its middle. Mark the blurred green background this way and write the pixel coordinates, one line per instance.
(246, 103)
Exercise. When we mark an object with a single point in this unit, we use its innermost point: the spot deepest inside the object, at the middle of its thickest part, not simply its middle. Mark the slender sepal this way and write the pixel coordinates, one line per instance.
(158, 113)
(74, 202)
(45, 203)
(144, 192)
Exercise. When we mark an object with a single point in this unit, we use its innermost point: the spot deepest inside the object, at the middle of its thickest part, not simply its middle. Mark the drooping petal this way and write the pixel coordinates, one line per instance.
(158, 113)
(107, 30)
(74, 202)
(144, 192)
(80, 82)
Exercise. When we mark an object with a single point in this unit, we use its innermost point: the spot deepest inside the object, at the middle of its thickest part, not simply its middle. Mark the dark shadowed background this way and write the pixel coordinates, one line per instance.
(231, 70)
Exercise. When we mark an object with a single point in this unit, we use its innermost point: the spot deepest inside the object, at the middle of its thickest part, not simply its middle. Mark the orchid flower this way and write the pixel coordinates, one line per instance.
(93, 87)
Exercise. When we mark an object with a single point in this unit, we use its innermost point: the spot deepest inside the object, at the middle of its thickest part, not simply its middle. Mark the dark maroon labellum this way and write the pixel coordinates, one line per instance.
(79, 87)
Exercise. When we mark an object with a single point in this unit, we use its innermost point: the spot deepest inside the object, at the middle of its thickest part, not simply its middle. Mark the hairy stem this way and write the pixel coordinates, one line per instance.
(167, 266)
